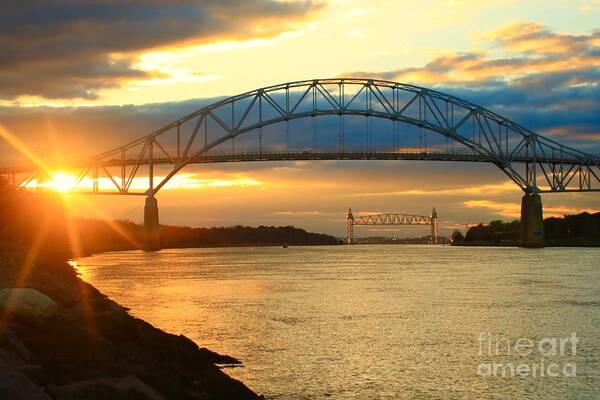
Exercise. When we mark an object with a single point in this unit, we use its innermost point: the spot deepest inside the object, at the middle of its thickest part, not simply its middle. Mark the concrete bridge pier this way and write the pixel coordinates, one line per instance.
(532, 221)
(151, 226)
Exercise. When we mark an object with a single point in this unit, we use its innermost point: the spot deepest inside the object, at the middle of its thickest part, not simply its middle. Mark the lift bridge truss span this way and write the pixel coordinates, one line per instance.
(392, 219)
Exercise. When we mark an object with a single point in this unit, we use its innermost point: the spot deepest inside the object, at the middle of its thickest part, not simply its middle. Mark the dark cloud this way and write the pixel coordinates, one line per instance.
(569, 114)
(86, 131)
(72, 48)
(561, 79)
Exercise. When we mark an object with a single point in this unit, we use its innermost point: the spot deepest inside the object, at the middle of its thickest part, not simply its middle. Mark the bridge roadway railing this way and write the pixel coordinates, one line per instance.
(118, 170)
(283, 155)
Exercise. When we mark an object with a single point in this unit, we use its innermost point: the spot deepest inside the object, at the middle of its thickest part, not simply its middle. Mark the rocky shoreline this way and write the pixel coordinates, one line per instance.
(63, 339)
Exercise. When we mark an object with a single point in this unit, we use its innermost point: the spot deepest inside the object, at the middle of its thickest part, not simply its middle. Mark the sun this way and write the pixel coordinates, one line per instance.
(61, 182)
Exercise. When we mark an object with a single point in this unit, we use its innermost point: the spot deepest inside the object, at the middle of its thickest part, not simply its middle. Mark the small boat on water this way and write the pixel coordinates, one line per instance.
(284, 245)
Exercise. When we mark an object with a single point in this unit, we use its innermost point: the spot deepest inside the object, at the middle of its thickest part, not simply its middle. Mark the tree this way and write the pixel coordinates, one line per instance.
(457, 237)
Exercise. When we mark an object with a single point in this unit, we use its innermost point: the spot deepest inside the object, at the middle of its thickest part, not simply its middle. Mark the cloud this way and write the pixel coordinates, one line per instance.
(534, 57)
(546, 81)
(513, 210)
(590, 6)
(300, 213)
(72, 49)
(64, 182)
(492, 189)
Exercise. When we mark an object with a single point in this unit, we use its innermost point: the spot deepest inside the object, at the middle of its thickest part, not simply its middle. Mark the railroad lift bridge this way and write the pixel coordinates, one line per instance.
(284, 122)
(392, 219)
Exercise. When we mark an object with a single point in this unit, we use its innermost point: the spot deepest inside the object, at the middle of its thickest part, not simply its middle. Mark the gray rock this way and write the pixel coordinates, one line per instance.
(27, 303)
(16, 386)
(126, 388)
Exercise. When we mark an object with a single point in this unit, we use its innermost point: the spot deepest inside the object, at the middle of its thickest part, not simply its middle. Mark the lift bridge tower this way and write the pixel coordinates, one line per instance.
(393, 219)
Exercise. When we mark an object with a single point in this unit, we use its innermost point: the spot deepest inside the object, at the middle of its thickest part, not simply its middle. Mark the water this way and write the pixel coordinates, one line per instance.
(373, 322)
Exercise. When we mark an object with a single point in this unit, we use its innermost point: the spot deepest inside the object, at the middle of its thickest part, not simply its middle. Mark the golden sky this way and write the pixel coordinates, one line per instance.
(116, 71)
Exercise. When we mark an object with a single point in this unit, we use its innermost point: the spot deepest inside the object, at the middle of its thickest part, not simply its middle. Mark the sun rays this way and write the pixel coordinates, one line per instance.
(62, 182)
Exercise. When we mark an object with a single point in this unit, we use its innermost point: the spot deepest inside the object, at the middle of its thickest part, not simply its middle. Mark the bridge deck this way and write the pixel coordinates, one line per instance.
(293, 156)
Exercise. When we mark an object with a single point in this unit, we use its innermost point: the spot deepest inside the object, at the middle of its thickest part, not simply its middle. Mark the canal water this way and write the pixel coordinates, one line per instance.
(377, 322)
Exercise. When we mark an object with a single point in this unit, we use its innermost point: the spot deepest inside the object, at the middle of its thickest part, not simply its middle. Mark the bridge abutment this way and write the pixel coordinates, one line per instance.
(532, 221)
(151, 225)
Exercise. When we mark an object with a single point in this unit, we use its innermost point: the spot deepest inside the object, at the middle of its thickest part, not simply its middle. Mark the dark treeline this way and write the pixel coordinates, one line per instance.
(98, 235)
(44, 221)
(177, 236)
(570, 230)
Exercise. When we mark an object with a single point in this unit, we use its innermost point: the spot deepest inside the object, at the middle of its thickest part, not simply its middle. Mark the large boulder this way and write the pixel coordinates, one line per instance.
(26, 303)
(125, 388)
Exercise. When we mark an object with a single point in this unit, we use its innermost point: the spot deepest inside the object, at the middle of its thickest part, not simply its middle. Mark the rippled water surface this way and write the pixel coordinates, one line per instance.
(371, 322)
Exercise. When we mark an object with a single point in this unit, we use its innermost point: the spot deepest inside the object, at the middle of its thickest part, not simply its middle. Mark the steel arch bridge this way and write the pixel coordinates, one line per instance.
(258, 126)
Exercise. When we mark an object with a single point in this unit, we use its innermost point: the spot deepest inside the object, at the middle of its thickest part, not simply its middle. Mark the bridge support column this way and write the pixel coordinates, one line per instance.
(151, 226)
(532, 221)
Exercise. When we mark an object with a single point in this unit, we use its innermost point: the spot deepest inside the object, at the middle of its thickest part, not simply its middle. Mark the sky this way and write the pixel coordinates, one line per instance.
(83, 77)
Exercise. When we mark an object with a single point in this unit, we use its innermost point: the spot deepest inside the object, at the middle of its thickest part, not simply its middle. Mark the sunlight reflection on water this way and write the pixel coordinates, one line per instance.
(366, 322)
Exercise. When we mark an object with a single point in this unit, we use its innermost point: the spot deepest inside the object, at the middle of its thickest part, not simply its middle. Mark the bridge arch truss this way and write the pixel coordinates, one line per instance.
(222, 132)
